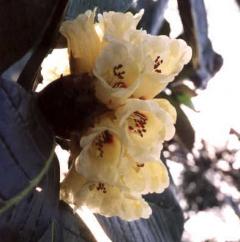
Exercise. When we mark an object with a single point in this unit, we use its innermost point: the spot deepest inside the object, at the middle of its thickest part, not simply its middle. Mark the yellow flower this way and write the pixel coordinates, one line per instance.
(84, 42)
(148, 177)
(119, 158)
(119, 25)
(54, 66)
(118, 70)
(101, 156)
(127, 62)
(138, 68)
(167, 106)
(144, 125)
(102, 198)
(105, 159)
(164, 59)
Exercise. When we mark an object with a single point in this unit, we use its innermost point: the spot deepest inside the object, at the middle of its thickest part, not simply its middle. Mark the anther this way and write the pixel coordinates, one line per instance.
(118, 72)
(157, 63)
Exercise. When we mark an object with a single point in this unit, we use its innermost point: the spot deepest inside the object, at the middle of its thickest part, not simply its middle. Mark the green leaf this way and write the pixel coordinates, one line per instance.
(185, 99)
(183, 95)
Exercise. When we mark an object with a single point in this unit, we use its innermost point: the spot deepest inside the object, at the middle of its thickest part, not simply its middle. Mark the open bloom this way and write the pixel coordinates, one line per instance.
(148, 177)
(102, 198)
(106, 160)
(118, 70)
(119, 26)
(140, 68)
(126, 61)
(101, 157)
(164, 59)
(145, 124)
(54, 66)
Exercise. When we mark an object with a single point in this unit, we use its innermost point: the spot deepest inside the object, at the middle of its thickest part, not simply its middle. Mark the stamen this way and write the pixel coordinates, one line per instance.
(104, 138)
(118, 72)
(138, 123)
(101, 187)
(157, 63)
(119, 85)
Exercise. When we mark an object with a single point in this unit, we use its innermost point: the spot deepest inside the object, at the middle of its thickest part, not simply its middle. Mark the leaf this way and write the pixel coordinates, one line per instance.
(205, 62)
(182, 88)
(14, 71)
(22, 25)
(153, 18)
(67, 227)
(25, 145)
(76, 7)
(183, 95)
(7, 204)
(165, 223)
(184, 129)
(184, 99)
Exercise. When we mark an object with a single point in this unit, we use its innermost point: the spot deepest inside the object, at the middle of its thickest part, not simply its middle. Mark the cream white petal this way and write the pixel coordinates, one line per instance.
(119, 25)
(111, 201)
(84, 42)
(101, 157)
(102, 198)
(144, 126)
(118, 70)
(164, 59)
(54, 66)
(148, 177)
(167, 106)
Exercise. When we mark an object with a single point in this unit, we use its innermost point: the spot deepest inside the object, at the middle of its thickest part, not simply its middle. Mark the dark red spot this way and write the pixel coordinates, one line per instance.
(118, 72)
(119, 85)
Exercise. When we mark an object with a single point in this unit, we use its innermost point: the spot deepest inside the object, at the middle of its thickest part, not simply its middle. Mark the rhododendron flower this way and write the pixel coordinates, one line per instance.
(139, 70)
(102, 198)
(118, 70)
(145, 125)
(84, 42)
(148, 177)
(104, 159)
(133, 60)
(54, 66)
(164, 59)
(119, 25)
(118, 159)
(167, 107)
(101, 156)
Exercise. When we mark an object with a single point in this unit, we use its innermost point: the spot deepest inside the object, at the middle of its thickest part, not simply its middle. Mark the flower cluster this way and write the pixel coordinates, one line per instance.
(119, 158)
